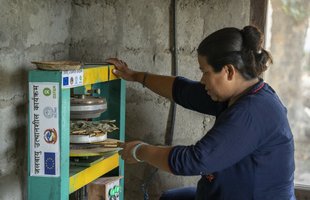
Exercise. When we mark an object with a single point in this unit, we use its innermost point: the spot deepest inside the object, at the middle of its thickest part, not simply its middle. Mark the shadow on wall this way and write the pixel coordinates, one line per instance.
(13, 83)
(13, 94)
(20, 155)
(21, 132)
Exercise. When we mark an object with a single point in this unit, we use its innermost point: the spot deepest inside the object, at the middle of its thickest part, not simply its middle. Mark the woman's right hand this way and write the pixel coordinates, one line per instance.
(146, 79)
(121, 69)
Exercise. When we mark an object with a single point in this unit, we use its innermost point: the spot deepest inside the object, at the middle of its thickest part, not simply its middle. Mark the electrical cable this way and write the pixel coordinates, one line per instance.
(174, 72)
(145, 185)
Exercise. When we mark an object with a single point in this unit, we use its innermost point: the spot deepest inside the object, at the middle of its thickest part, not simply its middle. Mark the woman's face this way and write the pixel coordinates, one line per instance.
(216, 83)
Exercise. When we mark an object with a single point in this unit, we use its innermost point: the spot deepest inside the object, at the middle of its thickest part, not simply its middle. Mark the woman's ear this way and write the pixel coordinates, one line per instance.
(230, 71)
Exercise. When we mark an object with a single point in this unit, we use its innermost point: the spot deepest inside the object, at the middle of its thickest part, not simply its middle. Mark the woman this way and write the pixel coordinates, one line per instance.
(249, 152)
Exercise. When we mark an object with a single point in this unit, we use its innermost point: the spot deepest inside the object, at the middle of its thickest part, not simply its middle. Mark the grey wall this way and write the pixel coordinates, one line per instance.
(136, 31)
(29, 30)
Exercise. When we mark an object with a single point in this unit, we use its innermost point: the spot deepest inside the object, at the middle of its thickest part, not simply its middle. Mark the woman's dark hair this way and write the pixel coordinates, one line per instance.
(241, 48)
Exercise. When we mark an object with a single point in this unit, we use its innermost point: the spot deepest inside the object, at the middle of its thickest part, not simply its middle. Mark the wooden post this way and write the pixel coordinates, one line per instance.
(258, 14)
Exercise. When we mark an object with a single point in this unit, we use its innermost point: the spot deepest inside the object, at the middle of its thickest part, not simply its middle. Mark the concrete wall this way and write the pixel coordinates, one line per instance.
(29, 30)
(137, 31)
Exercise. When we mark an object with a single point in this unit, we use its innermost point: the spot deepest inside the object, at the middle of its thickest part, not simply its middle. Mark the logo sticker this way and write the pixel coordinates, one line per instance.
(47, 91)
(49, 163)
(50, 136)
(65, 81)
(49, 112)
(71, 80)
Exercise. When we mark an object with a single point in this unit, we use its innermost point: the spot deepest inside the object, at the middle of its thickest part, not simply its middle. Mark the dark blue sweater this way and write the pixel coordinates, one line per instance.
(247, 154)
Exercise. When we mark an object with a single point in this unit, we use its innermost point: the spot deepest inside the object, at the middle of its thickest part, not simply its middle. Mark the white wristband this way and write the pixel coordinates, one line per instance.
(134, 151)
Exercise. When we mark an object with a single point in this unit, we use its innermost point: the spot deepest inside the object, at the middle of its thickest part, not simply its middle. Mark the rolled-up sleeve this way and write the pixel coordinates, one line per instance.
(234, 136)
(192, 95)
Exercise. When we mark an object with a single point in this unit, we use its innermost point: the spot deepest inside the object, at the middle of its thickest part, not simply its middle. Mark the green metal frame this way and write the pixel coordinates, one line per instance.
(58, 187)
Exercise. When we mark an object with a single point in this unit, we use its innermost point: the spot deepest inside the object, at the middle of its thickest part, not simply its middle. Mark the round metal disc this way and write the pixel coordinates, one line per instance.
(86, 107)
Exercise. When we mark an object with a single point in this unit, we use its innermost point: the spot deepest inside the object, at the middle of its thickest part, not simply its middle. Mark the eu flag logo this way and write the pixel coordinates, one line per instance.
(49, 163)
(65, 81)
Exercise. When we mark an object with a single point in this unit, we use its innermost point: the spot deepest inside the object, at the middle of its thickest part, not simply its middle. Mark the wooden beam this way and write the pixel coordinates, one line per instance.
(258, 13)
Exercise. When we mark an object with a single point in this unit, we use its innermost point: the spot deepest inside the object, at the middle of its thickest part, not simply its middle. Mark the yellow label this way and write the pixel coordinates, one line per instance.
(96, 75)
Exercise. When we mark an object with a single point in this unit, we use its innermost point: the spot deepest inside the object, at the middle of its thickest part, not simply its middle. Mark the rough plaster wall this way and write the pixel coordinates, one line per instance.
(29, 30)
(138, 32)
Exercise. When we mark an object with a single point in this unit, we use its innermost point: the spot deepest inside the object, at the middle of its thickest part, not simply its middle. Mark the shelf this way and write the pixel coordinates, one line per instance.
(50, 174)
(80, 176)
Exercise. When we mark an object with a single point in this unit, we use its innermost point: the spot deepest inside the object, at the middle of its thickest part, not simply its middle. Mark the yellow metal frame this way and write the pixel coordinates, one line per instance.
(98, 74)
(112, 76)
(93, 172)
(94, 75)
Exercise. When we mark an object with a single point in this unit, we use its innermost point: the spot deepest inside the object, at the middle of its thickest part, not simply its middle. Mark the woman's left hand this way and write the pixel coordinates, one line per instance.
(126, 153)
